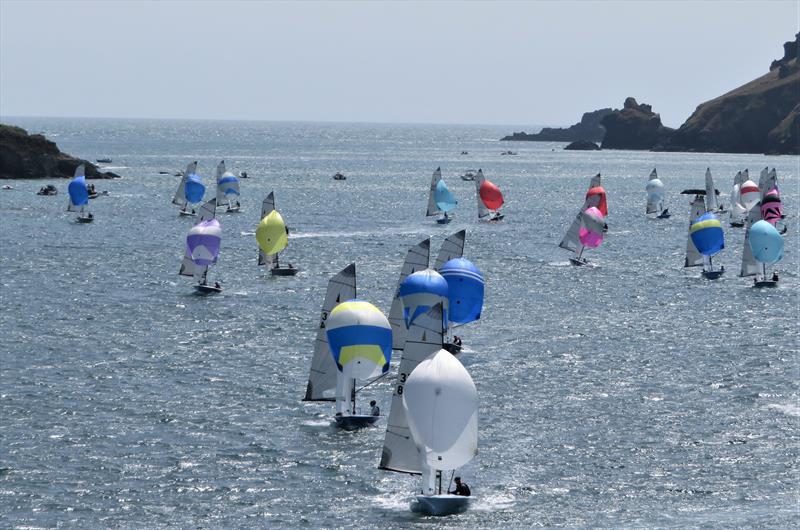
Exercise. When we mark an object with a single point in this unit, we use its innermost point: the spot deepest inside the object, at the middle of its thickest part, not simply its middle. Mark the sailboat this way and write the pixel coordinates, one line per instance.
(79, 196)
(272, 236)
(590, 233)
(696, 209)
(432, 425)
(202, 243)
(738, 212)
(440, 199)
(490, 199)
(227, 189)
(360, 341)
(190, 190)
(712, 204)
(709, 239)
(207, 212)
(595, 198)
(655, 196)
(417, 259)
(322, 377)
(766, 244)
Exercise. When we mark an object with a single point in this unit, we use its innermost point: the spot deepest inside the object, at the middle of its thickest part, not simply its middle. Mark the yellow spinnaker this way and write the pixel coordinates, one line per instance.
(271, 233)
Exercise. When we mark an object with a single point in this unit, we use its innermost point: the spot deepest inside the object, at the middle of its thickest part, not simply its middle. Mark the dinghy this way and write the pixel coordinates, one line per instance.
(655, 196)
(432, 424)
(207, 212)
(202, 244)
(590, 233)
(322, 377)
(595, 198)
(79, 196)
(272, 236)
(696, 209)
(360, 341)
(440, 200)
(738, 213)
(766, 245)
(490, 199)
(190, 190)
(709, 239)
(227, 189)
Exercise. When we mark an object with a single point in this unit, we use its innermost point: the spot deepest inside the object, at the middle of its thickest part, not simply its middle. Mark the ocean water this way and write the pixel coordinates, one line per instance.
(632, 394)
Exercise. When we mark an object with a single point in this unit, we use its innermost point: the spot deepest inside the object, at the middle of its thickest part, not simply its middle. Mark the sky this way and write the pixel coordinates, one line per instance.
(517, 63)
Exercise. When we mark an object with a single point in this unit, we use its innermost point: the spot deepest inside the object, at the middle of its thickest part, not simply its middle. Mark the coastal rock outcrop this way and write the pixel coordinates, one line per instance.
(636, 126)
(582, 145)
(588, 129)
(32, 156)
(762, 116)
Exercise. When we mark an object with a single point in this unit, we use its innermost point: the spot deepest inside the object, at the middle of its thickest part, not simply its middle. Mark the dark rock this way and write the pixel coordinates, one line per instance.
(582, 145)
(32, 156)
(588, 129)
(758, 117)
(634, 127)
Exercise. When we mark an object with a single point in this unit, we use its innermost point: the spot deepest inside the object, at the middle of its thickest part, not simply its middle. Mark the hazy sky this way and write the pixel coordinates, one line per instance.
(430, 62)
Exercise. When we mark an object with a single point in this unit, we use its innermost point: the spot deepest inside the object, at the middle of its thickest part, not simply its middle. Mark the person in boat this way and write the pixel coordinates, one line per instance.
(456, 340)
(375, 410)
(217, 285)
(775, 276)
(461, 488)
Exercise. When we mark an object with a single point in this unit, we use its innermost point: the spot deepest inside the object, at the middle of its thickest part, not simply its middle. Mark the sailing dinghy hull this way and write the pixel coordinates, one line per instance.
(713, 275)
(455, 349)
(444, 220)
(353, 423)
(664, 215)
(766, 283)
(439, 505)
(85, 219)
(185, 213)
(578, 262)
(207, 289)
(283, 271)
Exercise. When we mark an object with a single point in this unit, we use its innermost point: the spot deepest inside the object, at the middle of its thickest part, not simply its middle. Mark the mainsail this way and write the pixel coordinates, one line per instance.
(452, 247)
(267, 206)
(433, 209)
(749, 264)
(188, 268)
(711, 193)
(483, 211)
(416, 260)
(322, 378)
(180, 193)
(424, 339)
(693, 256)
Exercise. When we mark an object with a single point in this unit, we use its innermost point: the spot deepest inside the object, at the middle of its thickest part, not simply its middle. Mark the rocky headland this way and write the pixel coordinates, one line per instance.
(635, 126)
(32, 156)
(588, 129)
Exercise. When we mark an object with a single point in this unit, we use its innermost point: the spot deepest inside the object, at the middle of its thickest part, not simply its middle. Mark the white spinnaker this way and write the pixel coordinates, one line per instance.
(322, 378)
(452, 247)
(655, 191)
(441, 405)
(433, 209)
(750, 266)
(424, 339)
(188, 268)
(416, 260)
(180, 194)
(267, 205)
(711, 193)
(222, 200)
(693, 256)
(483, 211)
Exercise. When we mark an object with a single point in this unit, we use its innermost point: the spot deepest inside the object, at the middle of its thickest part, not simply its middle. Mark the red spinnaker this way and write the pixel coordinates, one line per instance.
(491, 196)
(601, 204)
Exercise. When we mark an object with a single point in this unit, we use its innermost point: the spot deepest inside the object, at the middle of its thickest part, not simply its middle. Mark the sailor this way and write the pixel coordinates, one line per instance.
(217, 285)
(775, 276)
(376, 410)
(456, 340)
(461, 488)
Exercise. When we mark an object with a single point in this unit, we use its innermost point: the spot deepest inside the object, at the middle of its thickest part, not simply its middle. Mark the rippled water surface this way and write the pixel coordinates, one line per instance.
(631, 394)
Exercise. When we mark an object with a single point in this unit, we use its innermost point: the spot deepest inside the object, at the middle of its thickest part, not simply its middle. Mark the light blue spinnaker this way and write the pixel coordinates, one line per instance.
(445, 200)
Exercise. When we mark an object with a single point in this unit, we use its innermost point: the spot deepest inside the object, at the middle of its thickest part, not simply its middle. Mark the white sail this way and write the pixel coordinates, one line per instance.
(416, 260)
(655, 193)
(693, 256)
(571, 240)
(424, 339)
(188, 268)
(452, 247)
(750, 266)
(763, 185)
(180, 193)
(322, 378)
(483, 211)
(267, 205)
(433, 209)
(770, 182)
(711, 193)
(441, 405)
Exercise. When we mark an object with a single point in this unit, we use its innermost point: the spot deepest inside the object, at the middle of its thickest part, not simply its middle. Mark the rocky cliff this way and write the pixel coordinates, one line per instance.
(588, 129)
(762, 116)
(635, 126)
(32, 156)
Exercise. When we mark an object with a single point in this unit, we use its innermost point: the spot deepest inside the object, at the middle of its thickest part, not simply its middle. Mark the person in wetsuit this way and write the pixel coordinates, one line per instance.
(461, 488)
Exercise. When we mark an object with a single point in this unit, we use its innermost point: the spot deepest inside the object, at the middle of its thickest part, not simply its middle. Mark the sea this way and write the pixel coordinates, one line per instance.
(630, 394)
